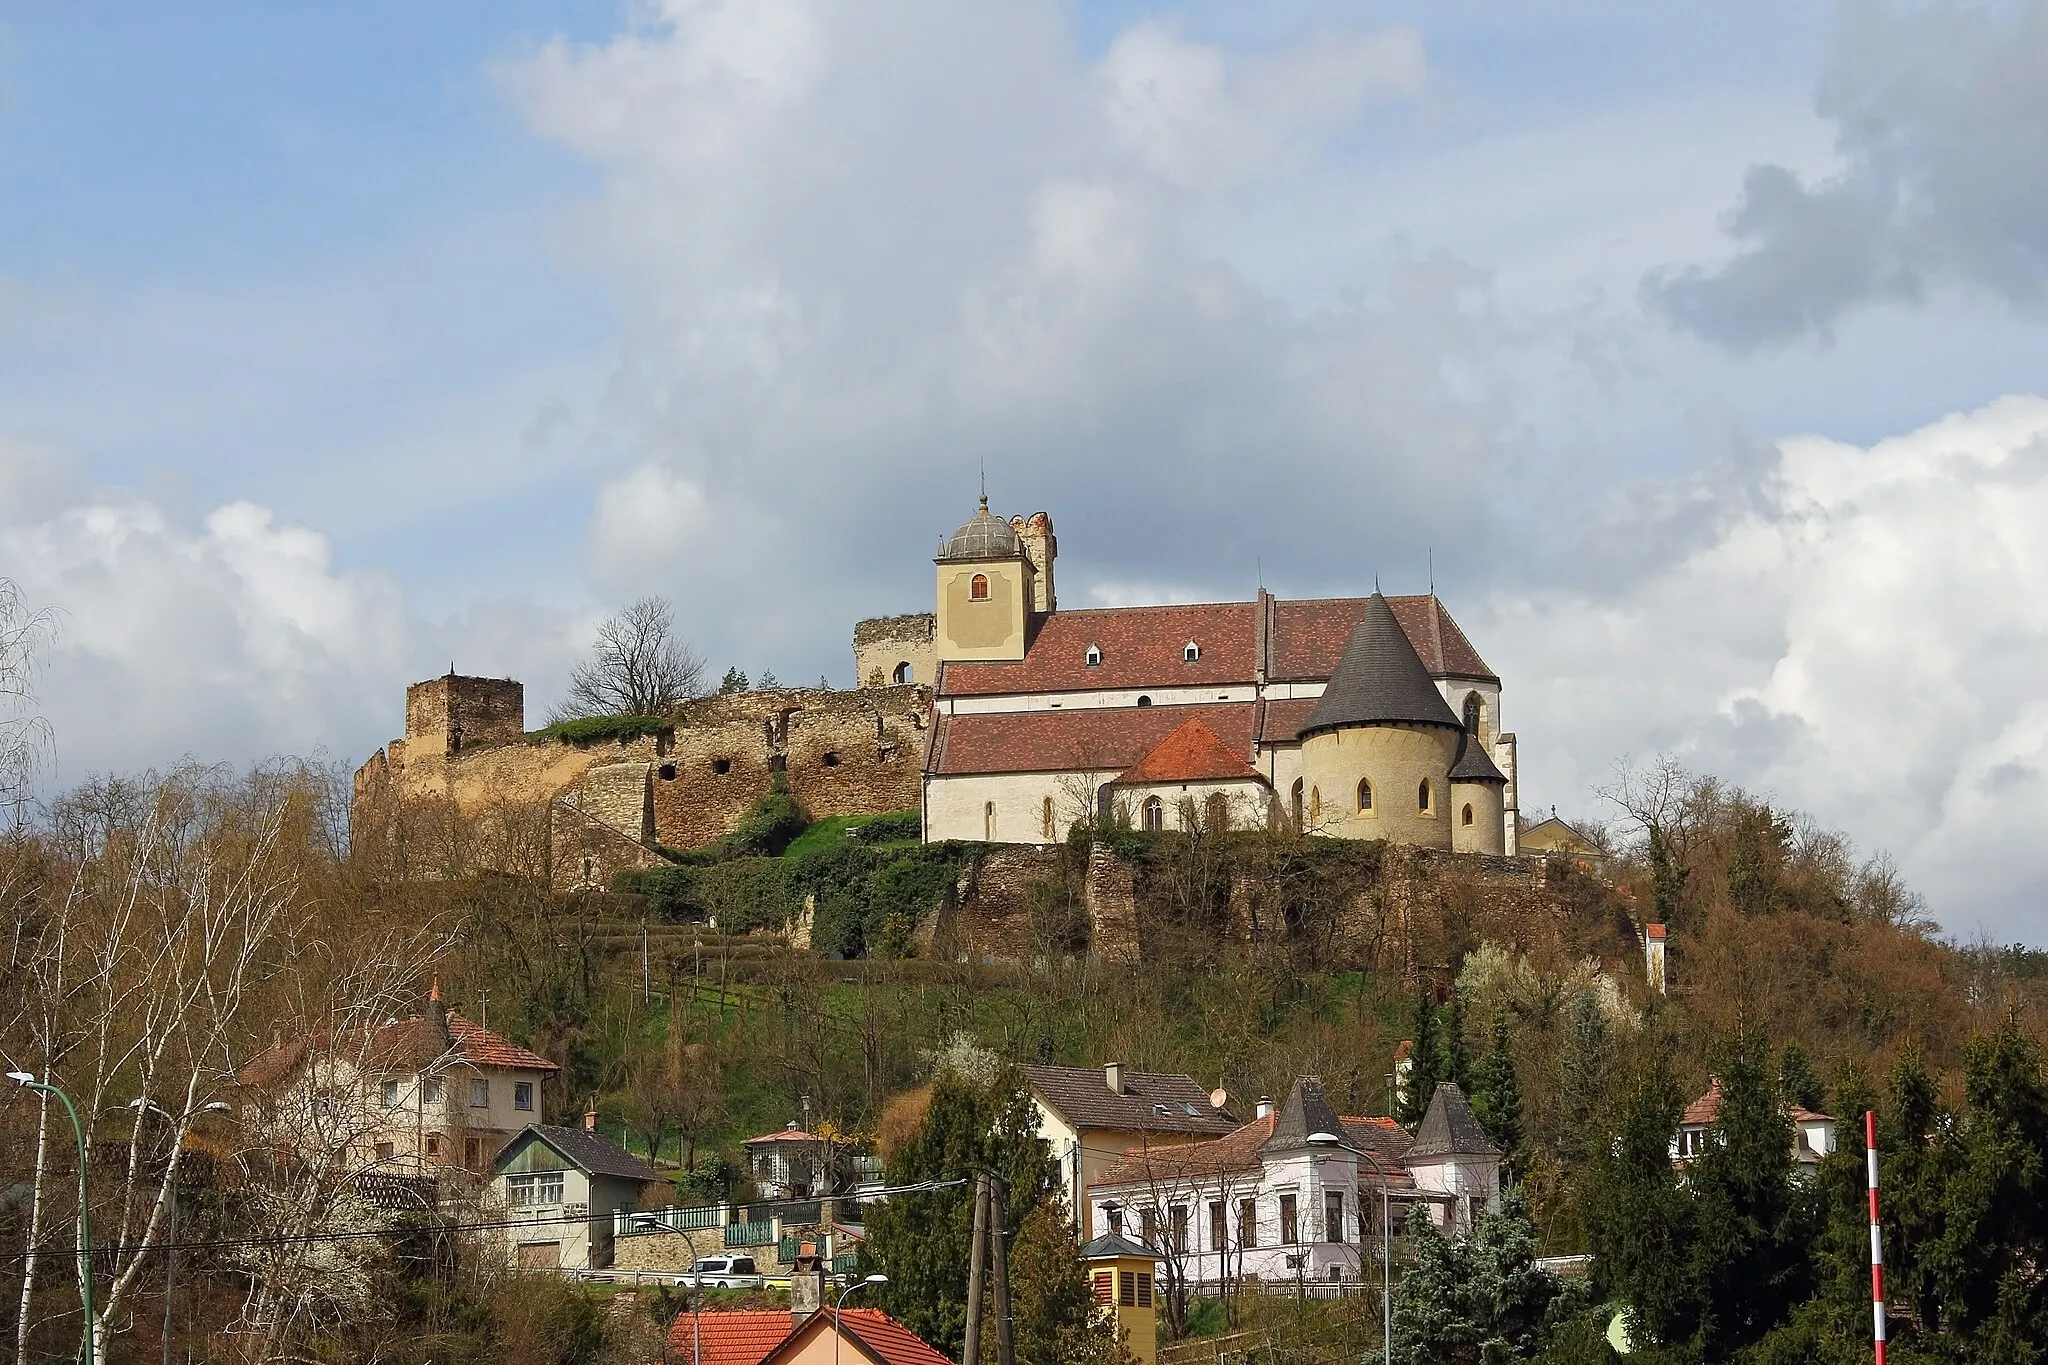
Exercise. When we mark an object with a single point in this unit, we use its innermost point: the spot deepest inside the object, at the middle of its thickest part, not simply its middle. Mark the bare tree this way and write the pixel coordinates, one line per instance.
(638, 667)
(24, 735)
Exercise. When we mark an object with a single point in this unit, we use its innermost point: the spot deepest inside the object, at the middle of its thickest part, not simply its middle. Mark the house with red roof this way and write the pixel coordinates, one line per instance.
(409, 1096)
(794, 1163)
(1298, 1192)
(857, 1336)
(1813, 1134)
(1366, 717)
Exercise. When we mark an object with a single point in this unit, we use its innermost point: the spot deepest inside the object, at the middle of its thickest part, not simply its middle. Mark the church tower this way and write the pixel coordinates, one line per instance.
(1377, 751)
(987, 588)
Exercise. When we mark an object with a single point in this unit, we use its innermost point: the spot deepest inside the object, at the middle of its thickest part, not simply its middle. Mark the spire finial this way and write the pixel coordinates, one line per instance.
(1375, 585)
(984, 483)
(434, 991)
(1431, 551)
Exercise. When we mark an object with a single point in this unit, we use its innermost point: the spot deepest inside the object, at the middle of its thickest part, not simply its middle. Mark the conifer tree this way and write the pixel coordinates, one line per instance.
(1457, 1059)
(1425, 1068)
(733, 681)
(1639, 1217)
(1477, 1300)
(1497, 1094)
(1582, 1078)
(1798, 1082)
(1051, 1304)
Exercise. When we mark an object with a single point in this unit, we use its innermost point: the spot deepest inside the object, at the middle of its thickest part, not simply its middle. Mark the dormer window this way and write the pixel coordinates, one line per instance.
(1190, 652)
(1094, 656)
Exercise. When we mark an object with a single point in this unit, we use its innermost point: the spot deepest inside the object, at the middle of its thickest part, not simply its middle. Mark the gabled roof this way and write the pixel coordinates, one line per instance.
(790, 1134)
(884, 1340)
(760, 1338)
(1103, 739)
(727, 1338)
(1473, 764)
(1141, 647)
(1243, 1151)
(402, 1044)
(591, 1153)
(1192, 753)
(1110, 1244)
(1309, 636)
(1151, 1101)
(1703, 1111)
(1450, 1128)
(1303, 1113)
(1381, 680)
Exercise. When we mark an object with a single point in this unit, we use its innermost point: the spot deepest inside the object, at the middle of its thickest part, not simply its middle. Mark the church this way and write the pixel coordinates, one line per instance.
(1352, 717)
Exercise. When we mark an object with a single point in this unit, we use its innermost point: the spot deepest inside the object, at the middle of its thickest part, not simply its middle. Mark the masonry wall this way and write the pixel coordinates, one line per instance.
(883, 643)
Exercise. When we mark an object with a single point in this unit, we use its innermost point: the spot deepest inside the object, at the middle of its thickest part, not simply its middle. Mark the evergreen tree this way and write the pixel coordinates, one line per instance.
(1639, 1217)
(1582, 1078)
(1477, 1301)
(733, 681)
(921, 1240)
(1913, 1160)
(1497, 1094)
(1798, 1082)
(1052, 1309)
(1424, 1063)
(1457, 1060)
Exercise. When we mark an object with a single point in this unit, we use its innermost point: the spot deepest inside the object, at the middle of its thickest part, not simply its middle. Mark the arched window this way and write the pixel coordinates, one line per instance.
(902, 674)
(1465, 818)
(1155, 813)
(1475, 711)
(1315, 806)
(977, 587)
(1094, 656)
(1190, 652)
(1217, 812)
(1046, 821)
(1144, 701)
(1422, 796)
(1295, 798)
(1364, 794)
(988, 822)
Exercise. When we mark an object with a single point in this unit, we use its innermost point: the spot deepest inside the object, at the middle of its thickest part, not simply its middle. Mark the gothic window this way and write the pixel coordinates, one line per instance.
(988, 822)
(902, 674)
(1094, 656)
(1422, 796)
(1364, 794)
(1217, 811)
(1155, 813)
(977, 587)
(1465, 818)
(1315, 806)
(1295, 796)
(1190, 652)
(1046, 823)
(1474, 710)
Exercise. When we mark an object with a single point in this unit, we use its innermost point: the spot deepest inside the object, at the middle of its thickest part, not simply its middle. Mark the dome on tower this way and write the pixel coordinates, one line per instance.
(984, 536)
(1381, 680)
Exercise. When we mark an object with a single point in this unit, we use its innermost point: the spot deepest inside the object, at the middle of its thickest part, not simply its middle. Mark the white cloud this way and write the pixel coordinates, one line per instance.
(1861, 632)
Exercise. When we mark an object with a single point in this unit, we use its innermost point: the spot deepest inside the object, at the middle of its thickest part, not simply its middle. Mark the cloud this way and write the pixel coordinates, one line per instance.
(1859, 631)
(1943, 181)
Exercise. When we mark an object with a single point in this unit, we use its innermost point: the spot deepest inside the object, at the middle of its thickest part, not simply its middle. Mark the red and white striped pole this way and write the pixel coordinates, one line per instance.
(1876, 1245)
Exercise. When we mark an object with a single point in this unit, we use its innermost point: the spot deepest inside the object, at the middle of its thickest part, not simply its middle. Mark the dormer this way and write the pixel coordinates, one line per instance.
(1190, 652)
(1093, 658)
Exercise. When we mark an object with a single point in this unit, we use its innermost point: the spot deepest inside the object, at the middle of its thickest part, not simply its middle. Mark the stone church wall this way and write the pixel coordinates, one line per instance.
(882, 643)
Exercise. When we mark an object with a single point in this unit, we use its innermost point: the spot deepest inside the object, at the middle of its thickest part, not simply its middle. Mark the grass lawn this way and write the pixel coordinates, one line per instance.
(830, 832)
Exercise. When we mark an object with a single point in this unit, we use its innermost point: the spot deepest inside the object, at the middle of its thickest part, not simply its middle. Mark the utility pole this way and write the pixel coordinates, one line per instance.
(1006, 1349)
(971, 1352)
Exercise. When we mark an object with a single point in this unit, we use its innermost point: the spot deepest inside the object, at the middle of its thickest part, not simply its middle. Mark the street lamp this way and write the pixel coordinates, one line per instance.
(28, 1081)
(171, 1246)
(837, 1332)
(1386, 1242)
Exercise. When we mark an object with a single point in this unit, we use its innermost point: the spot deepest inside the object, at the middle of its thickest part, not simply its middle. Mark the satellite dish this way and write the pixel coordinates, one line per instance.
(1218, 1098)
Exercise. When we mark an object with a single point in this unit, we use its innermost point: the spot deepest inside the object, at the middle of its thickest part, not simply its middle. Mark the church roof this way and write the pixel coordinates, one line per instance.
(1450, 1128)
(1105, 739)
(1192, 753)
(1307, 637)
(1380, 680)
(1473, 764)
(983, 536)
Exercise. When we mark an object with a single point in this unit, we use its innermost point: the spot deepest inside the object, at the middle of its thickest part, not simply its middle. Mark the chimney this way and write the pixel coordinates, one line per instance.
(1265, 1106)
(1113, 1077)
(437, 1015)
(590, 1119)
(806, 1289)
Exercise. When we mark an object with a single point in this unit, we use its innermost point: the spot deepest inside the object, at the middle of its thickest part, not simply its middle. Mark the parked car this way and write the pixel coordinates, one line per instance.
(722, 1272)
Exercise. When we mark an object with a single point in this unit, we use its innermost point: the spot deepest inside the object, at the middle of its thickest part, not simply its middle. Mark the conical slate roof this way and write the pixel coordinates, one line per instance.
(983, 536)
(1380, 680)
(1473, 764)
(1450, 1128)
(1306, 1111)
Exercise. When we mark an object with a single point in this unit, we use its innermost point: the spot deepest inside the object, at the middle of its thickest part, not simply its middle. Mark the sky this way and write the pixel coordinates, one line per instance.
(1701, 353)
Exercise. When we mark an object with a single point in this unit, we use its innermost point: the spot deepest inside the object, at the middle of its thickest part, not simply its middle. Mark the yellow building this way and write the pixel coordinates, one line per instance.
(1121, 1274)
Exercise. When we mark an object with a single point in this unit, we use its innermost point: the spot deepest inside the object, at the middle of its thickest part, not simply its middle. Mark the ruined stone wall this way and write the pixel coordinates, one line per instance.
(451, 713)
(991, 917)
(883, 643)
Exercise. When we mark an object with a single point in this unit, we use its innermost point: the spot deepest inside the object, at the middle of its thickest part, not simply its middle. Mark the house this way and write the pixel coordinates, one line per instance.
(1296, 1193)
(864, 1336)
(1556, 838)
(1091, 1116)
(561, 1189)
(406, 1097)
(1813, 1135)
(796, 1164)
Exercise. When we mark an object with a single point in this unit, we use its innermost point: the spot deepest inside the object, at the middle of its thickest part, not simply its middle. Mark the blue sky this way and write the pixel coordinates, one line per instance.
(1696, 345)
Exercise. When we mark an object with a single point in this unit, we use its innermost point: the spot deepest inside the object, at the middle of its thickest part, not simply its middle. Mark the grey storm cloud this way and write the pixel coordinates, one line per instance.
(1941, 118)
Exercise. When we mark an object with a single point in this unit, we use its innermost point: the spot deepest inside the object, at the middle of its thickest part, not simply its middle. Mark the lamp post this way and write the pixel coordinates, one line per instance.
(1386, 1241)
(171, 1246)
(840, 1307)
(28, 1081)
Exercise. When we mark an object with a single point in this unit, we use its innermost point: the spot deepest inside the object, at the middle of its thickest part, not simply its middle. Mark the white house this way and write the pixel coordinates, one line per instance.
(561, 1189)
(1297, 1193)
(1813, 1135)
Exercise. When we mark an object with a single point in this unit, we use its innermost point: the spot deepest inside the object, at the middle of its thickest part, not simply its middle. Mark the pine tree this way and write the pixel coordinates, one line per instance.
(1475, 1301)
(1582, 1080)
(1497, 1094)
(1640, 1219)
(1457, 1061)
(1423, 1062)
(1798, 1082)
(733, 681)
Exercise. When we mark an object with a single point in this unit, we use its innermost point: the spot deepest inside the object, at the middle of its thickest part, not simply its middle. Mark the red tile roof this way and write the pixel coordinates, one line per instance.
(1141, 647)
(1283, 719)
(1192, 753)
(783, 1135)
(1704, 1110)
(1239, 1151)
(730, 1338)
(1654, 930)
(1105, 739)
(1309, 637)
(401, 1043)
(888, 1340)
(480, 1047)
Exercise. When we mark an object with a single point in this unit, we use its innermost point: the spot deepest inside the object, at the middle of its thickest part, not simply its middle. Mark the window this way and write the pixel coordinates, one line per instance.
(666, 772)
(1295, 797)
(1465, 816)
(434, 1146)
(988, 822)
(473, 1153)
(977, 589)
(1148, 1227)
(831, 760)
(1094, 656)
(1144, 1289)
(1422, 796)
(721, 766)
(1144, 701)
(1333, 1216)
(522, 1094)
(387, 1151)
(902, 674)
(479, 1093)
(1133, 1289)
(1216, 811)
(1219, 1226)
(1475, 710)
(1045, 820)
(433, 1090)
(1364, 794)
(1315, 806)
(1288, 1231)
(1177, 1228)
(1247, 1222)
(534, 1191)
(1155, 813)
(1105, 1287)
(1190, 652)
(1115, 1214)
(391, 1095)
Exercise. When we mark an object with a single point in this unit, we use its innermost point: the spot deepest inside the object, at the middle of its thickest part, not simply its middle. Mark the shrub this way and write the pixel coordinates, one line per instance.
(896, 827)
(771, 826)
(595, 729)
(747, 893)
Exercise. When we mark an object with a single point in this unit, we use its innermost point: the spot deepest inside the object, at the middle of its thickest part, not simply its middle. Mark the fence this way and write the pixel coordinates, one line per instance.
(626, 1222)
(759, 1234)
